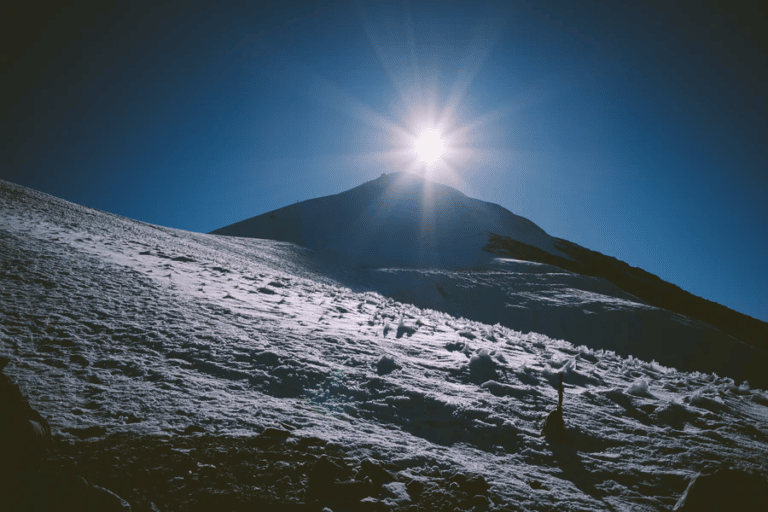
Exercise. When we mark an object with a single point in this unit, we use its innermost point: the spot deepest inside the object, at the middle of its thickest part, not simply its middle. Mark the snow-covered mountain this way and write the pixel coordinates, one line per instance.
(399, 219)
(205, 372)
(432, 246)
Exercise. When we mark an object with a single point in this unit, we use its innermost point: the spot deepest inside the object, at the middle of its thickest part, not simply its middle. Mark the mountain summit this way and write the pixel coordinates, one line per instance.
(399, 219)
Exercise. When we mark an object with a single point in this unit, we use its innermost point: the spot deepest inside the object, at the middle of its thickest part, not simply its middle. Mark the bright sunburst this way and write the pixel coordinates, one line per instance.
(429, 130)
(429, 146)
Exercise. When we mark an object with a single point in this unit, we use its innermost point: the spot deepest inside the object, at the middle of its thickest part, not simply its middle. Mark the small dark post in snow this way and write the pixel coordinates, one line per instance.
(554, 426)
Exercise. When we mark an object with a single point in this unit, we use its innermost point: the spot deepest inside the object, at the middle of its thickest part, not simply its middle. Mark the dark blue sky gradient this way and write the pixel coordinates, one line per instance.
(635, 130)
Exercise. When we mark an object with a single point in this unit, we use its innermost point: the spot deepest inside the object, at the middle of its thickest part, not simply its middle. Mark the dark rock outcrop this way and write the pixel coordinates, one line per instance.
(725, 489)
(24, 433)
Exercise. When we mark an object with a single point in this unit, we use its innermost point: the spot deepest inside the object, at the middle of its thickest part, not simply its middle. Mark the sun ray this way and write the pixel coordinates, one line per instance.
(415, 70)
(397, 76)
(485, 39)
(331, 95)
(437, 141)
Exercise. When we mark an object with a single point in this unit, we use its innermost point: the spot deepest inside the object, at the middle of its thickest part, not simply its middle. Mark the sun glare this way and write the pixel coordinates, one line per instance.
(429, 146)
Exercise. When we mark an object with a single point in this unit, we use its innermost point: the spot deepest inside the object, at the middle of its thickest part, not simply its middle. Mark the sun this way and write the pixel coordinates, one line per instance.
(429, 146)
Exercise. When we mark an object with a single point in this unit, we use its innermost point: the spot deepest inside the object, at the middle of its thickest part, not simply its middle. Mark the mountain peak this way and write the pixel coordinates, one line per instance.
(397, 219)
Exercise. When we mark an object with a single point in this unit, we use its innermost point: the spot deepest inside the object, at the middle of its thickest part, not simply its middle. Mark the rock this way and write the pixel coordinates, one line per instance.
(725, 489)
(325, 472)
(396, 491)
(193, 429)
(480, 502)
(371, 504)
(86, 432)
(472, 485)
(373, 470)
(24, 433)
(403, 329)
(415, 487)
(276, 433)
(455, 346)
(386, 365)
(79, 359)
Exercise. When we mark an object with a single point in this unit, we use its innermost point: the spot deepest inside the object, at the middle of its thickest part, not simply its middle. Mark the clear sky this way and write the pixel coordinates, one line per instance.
(635, 129)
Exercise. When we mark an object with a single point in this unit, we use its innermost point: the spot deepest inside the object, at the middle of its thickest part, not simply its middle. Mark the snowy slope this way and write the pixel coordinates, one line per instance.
(535, 297)
(428, 245)
(399, 219)
(147, 330)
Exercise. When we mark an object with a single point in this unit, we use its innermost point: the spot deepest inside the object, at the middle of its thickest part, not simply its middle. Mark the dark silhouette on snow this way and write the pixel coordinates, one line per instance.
(24, 438)
(554, 426)
(25, 484)
(725, 489)
(24, 433)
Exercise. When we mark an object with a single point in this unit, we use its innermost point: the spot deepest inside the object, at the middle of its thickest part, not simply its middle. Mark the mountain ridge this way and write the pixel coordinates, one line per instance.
(640, 283)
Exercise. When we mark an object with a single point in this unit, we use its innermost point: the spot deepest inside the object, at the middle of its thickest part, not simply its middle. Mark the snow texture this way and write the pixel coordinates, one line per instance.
(423, 243)
(116, 326)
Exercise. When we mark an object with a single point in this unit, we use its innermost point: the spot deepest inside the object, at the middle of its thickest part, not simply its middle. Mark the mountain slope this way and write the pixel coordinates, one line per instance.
(175, 353)
(640, 283)
(427, 232)
(398, 219)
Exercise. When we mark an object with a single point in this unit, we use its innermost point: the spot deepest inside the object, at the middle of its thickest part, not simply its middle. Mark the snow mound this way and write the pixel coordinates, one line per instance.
(482, 367)
(640, 388)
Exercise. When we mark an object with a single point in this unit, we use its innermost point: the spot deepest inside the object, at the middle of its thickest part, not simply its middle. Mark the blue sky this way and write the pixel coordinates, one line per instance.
(638, 131)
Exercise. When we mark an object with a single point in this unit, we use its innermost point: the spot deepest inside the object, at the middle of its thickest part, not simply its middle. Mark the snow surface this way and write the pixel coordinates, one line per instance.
(148, 330)
(422, 243)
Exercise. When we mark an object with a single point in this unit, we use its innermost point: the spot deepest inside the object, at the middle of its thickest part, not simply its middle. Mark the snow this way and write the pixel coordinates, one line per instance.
(422, 243)
(118, 326)
(399, 219)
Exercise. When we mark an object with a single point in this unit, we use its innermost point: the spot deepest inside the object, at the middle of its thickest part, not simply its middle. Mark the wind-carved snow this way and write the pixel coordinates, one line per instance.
(430, 245)
(147, 330)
